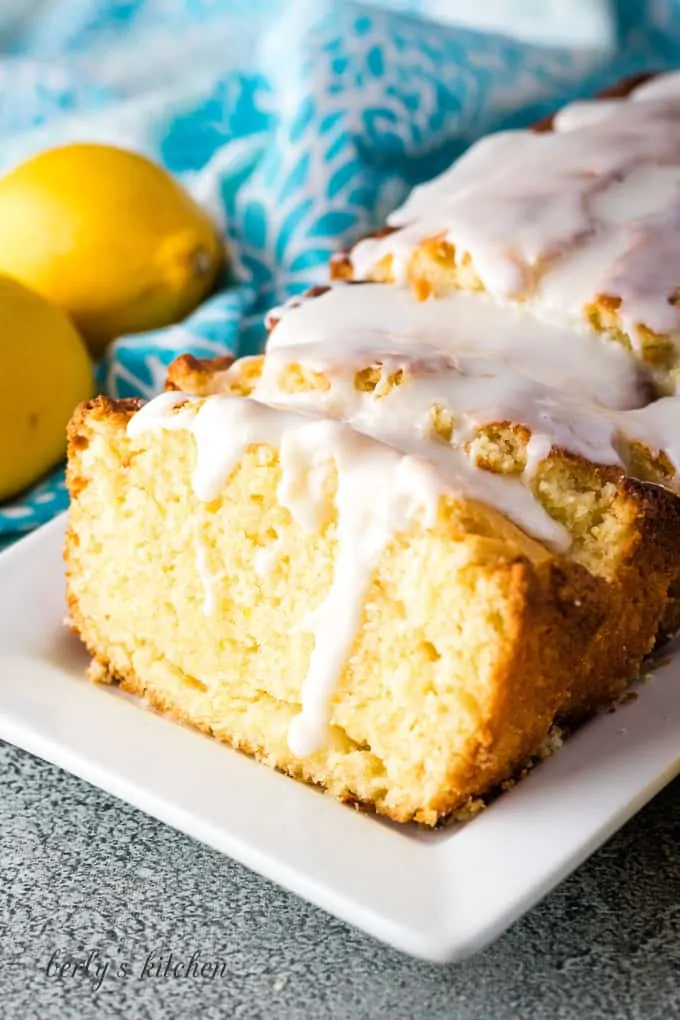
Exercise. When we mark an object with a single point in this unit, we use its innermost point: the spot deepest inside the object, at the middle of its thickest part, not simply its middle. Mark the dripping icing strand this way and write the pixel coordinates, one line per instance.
(401, 488)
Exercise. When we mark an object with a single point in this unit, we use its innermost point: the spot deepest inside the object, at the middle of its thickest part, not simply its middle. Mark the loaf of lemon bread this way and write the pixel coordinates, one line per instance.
(390, 553)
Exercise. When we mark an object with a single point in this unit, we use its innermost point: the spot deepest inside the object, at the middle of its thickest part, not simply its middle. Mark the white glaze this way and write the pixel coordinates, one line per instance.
(657, 426)
(373, 317)
(662, 86)
(585, 111)
(475, 389)
(557, 219)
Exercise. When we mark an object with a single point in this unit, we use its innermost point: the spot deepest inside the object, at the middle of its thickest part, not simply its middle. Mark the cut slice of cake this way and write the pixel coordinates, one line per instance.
(377, 579)
(318, 599)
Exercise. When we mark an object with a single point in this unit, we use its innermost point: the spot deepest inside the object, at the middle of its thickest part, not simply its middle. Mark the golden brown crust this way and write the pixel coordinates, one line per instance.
(646, 613)
(189, 373)
(100, 408)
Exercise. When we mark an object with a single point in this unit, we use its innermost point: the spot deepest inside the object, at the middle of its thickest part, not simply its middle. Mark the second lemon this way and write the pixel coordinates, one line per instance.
(109, 236)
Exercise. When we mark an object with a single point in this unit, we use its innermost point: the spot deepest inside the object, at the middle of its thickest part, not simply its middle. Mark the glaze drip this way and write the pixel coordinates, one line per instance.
(402, 489)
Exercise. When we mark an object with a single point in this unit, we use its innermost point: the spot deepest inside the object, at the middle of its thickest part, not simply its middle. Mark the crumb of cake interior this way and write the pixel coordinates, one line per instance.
(197, 373)
(319, 600)
(579, 221)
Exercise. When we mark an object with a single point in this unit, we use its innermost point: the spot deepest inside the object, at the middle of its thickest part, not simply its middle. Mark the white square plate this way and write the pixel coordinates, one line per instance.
(440, 895)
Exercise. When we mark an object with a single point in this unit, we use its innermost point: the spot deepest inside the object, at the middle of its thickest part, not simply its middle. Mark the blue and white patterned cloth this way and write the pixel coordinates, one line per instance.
(298, 124)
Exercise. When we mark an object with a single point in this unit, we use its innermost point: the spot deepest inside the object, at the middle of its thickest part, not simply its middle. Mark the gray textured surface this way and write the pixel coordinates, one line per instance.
(81, 872)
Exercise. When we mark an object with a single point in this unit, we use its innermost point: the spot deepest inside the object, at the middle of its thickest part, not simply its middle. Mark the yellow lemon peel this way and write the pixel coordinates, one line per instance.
(46, 371)
(109, 236)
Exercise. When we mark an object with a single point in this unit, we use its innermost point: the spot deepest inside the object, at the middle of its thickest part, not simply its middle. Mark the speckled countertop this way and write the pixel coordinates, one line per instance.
(82, 873)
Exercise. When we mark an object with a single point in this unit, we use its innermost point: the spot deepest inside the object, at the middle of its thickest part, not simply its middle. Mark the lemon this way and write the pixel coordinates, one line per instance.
(44, 372)
(109, 236)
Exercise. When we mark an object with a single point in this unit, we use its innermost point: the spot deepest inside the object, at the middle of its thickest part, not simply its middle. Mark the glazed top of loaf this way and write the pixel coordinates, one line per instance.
(563, 219)
(350, 317)
(573, 389)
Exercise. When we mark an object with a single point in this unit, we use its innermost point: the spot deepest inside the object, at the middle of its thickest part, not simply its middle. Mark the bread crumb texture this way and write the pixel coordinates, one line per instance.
(473, 638)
